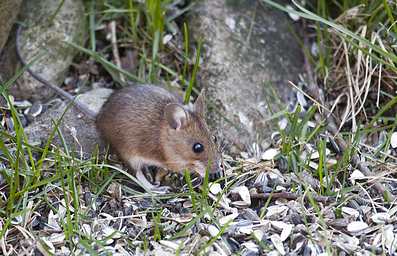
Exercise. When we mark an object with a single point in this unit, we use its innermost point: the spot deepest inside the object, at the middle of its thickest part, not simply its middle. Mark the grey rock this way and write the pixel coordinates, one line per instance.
(9, 10)
(48, 27)
(78, 130)
(249, 54)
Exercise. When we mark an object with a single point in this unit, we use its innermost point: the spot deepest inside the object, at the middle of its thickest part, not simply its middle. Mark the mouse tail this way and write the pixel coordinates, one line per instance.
(81, 106)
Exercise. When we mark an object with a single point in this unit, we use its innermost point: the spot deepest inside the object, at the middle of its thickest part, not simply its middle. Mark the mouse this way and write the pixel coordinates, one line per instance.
(147, 125)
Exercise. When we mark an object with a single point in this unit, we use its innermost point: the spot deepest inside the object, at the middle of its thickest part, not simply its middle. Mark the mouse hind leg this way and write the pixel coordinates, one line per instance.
(141, 167)
(156, 188)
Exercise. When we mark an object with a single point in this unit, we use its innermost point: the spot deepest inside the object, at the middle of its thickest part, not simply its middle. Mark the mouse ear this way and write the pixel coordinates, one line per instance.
(175, 115)
(199, 104)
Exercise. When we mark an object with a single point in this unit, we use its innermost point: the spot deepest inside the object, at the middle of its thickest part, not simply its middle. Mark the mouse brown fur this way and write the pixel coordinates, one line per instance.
(147, 125)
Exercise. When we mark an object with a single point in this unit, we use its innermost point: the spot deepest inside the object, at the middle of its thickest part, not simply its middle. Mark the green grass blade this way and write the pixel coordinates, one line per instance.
(193, 78)
(312, 16)
(109, 66)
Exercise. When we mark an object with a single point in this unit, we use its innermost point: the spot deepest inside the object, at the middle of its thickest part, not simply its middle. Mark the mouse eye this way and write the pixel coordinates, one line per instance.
(198, 148)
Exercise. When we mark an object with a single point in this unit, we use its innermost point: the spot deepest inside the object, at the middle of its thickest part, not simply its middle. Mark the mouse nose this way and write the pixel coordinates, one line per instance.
(217, 172)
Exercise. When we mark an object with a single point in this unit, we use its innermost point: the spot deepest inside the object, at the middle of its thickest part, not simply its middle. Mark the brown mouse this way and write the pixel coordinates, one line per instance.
(147, 125)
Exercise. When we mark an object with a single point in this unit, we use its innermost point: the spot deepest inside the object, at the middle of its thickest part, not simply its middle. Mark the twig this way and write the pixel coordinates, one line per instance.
(317, 93)
(115, 49)
(291, 196)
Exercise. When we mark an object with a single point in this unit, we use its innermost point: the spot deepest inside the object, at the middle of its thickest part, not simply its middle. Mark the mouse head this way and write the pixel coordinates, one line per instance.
(187, 141)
